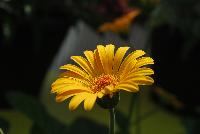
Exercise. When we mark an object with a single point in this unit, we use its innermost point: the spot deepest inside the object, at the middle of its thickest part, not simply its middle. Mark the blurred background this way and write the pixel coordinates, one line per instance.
(38, 36)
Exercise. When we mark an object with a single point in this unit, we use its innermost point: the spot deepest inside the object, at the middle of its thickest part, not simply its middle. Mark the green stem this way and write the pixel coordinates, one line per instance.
(112, 121)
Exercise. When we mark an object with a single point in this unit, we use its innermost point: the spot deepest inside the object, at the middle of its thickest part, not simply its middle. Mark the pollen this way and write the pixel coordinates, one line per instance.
(102, 81)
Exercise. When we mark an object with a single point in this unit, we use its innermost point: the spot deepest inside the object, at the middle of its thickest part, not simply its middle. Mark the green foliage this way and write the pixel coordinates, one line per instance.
(33, 109)
(4, 126)
(43, 123)
(183, 14)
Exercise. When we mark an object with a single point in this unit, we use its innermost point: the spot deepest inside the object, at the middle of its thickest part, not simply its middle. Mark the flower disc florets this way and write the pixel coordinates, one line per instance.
(102, 81)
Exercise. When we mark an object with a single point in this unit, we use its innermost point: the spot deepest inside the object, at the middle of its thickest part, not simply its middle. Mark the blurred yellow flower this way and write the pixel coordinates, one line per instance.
(120, 24)
(102, 73)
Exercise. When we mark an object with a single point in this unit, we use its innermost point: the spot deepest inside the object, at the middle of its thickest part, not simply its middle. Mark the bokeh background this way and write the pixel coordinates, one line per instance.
(38, 36)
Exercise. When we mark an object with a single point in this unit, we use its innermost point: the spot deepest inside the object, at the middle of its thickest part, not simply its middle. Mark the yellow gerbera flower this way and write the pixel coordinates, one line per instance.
(120, 24)
(102, 73)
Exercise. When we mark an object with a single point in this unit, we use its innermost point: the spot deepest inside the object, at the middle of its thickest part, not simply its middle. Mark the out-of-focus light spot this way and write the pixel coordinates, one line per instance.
(6, 30)
(27, 9)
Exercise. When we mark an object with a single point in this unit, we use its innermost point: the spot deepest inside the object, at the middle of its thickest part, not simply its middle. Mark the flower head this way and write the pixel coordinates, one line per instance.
(120, 24)
(102, 72)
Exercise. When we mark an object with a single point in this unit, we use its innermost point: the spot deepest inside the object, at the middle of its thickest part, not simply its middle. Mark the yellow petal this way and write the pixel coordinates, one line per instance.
(90, 101)
(62, 98)
(138, 72)
(59, 81)
(82, 81)
(118, 57)
(143, 71)
(103, 58)
(76, 100)
(106, 90)
(128, 86)
(134, 55)
(142, 80)
(100, 94)
(73, 76)
(67, 74)
(109, 88)
(127, 69)
(55, 88)
(90, 57)
(66, 95)
(110, 55)
(62, 87)
(70, 80)
(98, 65)
(69, 87)
(144, 61)
(84, 64)
(76, 69)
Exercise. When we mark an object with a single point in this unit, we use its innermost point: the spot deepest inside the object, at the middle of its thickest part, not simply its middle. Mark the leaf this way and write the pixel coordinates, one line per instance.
(35, 110)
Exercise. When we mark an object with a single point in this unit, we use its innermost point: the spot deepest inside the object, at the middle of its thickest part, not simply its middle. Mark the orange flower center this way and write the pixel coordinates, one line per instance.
(102, 81)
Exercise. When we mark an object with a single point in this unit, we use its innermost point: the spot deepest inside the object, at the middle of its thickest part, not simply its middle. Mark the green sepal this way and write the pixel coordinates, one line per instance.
(108, 102)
